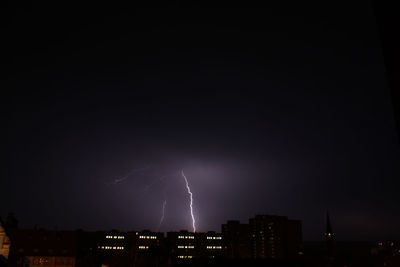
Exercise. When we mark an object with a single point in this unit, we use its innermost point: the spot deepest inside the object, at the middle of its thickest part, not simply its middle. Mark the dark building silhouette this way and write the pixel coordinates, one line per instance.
(265, 237)
(236, 240)
(148, 248)
(102, 247)
(330, 239)
(111, 243)
(275, 237)
(211, 244)
(146, 240)
(41, 247)
(187, 245)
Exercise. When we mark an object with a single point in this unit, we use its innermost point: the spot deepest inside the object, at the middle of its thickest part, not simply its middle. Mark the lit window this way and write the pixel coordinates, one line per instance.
(214, 247)
(186, 237)
(147, 237)
(214, 237)
(143, 247)
(185, 257)
(185, 246)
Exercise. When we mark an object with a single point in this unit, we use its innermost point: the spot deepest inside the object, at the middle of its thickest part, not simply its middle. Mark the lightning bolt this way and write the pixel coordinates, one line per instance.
(191, 202)
(162, 214)
(119, 180)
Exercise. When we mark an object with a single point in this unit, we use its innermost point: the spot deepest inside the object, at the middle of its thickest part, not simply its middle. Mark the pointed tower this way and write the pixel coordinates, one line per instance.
(329, 237)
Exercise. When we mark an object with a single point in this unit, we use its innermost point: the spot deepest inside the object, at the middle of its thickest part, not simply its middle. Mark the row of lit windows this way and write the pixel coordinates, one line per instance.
(186, 237)
(185, 257)
(47, 261)
(40, 261)
(148, 237)
(185, 246)
(214, 237)
(110, 247)
(115, 237)
(214, 247)
(143, 247)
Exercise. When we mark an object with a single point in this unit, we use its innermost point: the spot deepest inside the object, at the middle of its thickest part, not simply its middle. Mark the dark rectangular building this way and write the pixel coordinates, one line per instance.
(236, 240)
(274, 237)
(188, 245)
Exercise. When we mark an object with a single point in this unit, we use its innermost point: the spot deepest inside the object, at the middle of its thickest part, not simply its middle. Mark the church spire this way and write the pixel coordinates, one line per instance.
(329, 232)
(329, 237)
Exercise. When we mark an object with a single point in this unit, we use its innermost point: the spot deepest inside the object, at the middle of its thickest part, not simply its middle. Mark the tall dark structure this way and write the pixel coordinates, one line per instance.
(185, 245)
(275, 237)
(264, 237)
(330, 238)
(236, 240)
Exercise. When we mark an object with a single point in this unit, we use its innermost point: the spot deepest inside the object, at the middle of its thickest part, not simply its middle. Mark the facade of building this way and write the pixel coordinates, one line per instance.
(182, 245)
(188, 245)
(236, 240)
(264, 237)
(102, 247)
(211, 245)
(147, 248)
(146, 240)
(112, 242)
(274, 237)
(42, 247)
(4, 241)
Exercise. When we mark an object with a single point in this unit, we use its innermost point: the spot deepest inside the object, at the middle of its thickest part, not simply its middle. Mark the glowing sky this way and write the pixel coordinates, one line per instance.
(278, 111)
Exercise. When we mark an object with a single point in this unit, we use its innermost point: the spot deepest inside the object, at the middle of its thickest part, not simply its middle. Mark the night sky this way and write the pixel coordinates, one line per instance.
(279, 110)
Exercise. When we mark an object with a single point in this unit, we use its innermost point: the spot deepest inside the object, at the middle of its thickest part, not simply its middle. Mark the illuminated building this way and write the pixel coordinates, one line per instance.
(236, 240)
(111, 242)
(4, 241)
(147, 248)
(182, 245)
(211, 244)
(146, 240)
(274, 237)
(42, 248)
(188, 245)
(105, 247)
